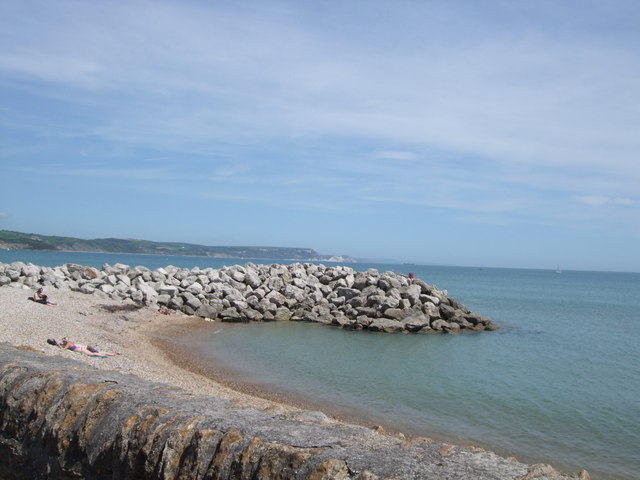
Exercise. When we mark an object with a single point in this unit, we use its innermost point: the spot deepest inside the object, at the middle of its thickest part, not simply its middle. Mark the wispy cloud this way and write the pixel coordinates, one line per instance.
(229, 74)
(395, 155)
(599, 200)
(497, 113)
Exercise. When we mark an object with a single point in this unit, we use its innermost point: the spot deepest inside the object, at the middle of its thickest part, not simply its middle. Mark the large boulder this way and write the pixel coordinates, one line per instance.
(282, 314)
(191, 300)
(416, 322)
(386, 325)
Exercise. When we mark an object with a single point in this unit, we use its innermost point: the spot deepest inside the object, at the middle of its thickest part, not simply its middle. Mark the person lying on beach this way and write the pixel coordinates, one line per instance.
(42, 297)
(86, 349)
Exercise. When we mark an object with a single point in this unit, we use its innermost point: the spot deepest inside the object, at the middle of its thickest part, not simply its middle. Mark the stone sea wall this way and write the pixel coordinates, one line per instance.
(63, 419)
(381, 302)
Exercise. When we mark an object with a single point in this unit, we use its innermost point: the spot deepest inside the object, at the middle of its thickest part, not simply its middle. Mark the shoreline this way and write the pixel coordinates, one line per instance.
(150, 346)
(173, 345)
(177, 351)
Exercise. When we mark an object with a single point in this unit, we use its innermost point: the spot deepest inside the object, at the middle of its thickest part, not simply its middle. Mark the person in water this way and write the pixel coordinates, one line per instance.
(86, 349)
(42, 297)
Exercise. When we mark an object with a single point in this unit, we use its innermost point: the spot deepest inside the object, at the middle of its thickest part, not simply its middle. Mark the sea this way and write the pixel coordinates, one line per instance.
(558, 383)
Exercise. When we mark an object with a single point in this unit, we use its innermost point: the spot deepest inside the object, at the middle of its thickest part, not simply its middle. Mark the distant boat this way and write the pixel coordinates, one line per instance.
(558, 270)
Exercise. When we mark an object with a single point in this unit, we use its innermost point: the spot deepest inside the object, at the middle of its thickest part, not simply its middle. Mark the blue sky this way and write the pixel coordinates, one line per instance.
(491, 133)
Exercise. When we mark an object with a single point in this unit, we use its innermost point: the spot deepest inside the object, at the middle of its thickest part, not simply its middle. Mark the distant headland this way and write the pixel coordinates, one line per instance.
(33, 241)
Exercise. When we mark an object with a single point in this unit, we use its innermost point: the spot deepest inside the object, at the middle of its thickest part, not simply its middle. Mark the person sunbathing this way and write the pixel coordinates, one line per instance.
(86, 349)
(42, 297)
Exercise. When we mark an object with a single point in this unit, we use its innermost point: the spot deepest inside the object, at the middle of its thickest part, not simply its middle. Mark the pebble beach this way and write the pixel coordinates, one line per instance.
(141, 337)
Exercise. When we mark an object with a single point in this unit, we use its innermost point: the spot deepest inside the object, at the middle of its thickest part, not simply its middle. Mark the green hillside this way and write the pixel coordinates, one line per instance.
(33, 241)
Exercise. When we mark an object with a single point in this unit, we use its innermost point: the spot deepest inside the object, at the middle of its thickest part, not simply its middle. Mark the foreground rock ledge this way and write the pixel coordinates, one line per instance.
(340, 296)
(60, 418)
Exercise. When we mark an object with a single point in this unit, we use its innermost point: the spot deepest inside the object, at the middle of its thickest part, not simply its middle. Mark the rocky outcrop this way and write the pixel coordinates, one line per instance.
(340, 296)
(62, 419)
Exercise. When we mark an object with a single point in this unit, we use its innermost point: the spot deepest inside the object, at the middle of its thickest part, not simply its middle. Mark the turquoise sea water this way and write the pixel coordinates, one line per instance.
(559, 383)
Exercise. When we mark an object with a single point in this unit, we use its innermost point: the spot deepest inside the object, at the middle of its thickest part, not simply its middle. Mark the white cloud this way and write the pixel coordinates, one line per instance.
(535, 112)
(395, 155)
(599, 200)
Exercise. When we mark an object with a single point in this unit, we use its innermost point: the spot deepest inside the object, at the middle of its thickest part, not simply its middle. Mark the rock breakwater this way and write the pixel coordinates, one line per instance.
(335, 295)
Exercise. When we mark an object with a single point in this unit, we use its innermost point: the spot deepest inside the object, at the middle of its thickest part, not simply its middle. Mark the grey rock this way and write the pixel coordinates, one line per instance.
(424, 287)
(394, 313)
(416, 322)
(164, 299)
(13, 274)
(276, 298)
(252, 279)
(376, 301)
(170, 290)
(232, 315)
(405, 304)
(275, 284)
(348, 293)
(137, 296)
(176, 302)
(429, 299)
(386, 325)
(368, 311)
(238, 276)
(411, 293)
(207, 311)
(89, 289)
(390, 302)
(191, 300)
(282, 314)
(452, 328)
(291, 291)
(30, 271)
(253, 315)
(357, 302)
(239, 303)
(108, 289)
(447, 311)
(440, 325)
(337, 301)
(431, 310)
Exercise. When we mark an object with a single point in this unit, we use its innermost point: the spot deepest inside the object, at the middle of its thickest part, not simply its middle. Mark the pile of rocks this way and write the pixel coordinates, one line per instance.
(385, 302)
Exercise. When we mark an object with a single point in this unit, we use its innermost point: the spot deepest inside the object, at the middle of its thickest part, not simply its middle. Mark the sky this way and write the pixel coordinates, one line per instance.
(493, 133)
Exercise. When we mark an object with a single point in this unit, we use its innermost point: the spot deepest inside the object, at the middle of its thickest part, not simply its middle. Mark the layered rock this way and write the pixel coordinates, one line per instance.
(340, 296)
(60, 418)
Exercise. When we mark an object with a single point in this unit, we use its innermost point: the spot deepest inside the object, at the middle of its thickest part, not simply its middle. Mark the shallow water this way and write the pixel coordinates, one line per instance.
(559, 383)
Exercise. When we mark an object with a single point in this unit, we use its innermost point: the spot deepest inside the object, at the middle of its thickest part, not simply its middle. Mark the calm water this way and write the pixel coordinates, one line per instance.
(559, 383)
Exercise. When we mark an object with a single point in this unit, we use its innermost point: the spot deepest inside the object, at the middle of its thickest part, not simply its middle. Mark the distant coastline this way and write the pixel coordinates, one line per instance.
(32, 241)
